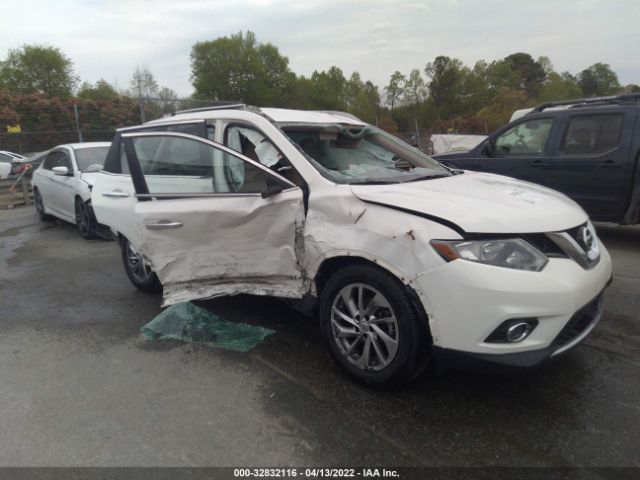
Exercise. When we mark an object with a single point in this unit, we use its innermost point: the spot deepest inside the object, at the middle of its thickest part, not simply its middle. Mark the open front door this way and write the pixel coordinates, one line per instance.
(212, 222)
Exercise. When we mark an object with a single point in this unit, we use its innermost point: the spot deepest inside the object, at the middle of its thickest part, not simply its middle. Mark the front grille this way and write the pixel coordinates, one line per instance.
(579, 322)
(544, 244)
(575, 234)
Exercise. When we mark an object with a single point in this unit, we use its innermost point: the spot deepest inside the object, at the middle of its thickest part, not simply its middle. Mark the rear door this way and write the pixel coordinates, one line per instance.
(209, 220)
(520, 150)
(591, 163)
(113, 195)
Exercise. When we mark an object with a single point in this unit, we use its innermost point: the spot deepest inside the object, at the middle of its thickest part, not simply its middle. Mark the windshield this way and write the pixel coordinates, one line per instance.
(91, 159)
(363, 155)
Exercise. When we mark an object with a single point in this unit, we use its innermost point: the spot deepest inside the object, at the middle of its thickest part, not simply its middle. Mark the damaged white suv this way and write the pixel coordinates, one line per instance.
(408, 260)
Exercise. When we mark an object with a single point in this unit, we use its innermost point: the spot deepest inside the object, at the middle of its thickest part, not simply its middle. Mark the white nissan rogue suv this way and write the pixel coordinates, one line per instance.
(407, 260)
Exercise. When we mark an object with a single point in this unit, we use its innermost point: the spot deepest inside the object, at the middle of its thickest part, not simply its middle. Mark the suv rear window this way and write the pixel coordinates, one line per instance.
(589, 134)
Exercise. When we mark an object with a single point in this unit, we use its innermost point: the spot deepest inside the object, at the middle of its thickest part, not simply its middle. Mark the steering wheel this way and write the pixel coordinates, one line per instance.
(520, 145)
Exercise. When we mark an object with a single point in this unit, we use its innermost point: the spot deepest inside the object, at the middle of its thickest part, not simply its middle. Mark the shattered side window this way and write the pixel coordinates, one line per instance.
(188, 166)
(252, 144)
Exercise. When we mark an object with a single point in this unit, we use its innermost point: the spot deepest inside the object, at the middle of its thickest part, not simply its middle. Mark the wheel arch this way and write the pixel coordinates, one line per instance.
(330, 264)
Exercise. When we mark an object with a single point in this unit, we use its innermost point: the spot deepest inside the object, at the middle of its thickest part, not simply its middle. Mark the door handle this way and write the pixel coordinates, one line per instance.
(115, 194)
(161, 224)
(609, 164)
(538, 164)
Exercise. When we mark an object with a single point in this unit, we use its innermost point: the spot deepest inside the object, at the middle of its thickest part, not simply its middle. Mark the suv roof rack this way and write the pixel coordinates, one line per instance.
(585, 102)
(219, 106)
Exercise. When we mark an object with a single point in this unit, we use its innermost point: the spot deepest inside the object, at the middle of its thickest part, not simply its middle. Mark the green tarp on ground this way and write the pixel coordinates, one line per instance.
(190, 323)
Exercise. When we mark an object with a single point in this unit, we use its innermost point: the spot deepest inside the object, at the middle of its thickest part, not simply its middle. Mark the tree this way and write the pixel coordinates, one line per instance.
(394, 90)
(545, 63)
(362, 98)
(559, 86)
(239, 68)
(415, 91)
(168, 99)
(38, 69)
(102, 90)
(531, 74)
(446, 76)
(143, 84)
(631, 88)
(494, 76)
(329, 89)
(415, 88)
(498, 112)
(598, 80)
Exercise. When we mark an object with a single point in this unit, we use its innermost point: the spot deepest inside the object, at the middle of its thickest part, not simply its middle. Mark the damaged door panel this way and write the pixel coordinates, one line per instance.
(208, 220)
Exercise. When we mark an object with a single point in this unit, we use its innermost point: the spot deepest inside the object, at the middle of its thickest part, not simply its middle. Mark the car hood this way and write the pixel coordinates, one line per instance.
(481, 203)
(456, 154)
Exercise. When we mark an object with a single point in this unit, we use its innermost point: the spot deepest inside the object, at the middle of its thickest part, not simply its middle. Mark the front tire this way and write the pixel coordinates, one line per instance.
(371, 327)
(37, 199)
(85, 220)
(139, 273)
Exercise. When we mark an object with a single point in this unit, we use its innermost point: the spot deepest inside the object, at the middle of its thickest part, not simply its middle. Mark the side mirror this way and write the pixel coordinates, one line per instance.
(487, 149)
(61, 171)
(272, 189)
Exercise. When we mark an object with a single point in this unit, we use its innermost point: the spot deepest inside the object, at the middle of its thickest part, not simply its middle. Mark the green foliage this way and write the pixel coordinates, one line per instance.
(559, 86)
(530, 73)
(102, 90)
(36, 83)
(239, 68)
(447, 77)
(38, 69)
(598, 80)
(143, 84)
(394, 91)
(328, 90)
(498, 112)
(415, 88)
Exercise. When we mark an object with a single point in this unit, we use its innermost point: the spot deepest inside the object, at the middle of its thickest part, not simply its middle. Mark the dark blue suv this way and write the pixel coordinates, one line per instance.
(587, 149)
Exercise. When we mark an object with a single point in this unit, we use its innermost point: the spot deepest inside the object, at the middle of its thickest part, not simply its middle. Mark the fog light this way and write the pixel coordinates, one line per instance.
(518, 332)
(513, 330)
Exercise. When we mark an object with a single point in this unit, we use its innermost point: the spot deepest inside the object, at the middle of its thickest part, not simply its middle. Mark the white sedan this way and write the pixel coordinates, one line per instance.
(62, 184)
(7, 161)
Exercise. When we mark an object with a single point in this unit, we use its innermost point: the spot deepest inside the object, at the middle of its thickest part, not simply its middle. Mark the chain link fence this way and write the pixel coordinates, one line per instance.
(43, 125)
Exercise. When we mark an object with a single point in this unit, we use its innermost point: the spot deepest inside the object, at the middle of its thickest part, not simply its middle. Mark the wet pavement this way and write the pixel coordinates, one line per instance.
(80, 386)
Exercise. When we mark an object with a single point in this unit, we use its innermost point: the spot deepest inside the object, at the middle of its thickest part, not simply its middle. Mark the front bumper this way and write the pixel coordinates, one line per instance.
(575, 331)
(466, 302)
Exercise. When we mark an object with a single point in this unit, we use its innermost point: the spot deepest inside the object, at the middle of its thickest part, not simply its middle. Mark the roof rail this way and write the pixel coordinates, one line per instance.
(339, 112)
(219, 106)
(582, 102)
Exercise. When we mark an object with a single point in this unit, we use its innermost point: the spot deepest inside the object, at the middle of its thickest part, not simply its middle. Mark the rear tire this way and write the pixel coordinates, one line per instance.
(371, 327)
(139, 273)
(37, 199)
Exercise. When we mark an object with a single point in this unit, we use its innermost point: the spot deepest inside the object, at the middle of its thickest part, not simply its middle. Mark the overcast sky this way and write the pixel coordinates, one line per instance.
(108, 38)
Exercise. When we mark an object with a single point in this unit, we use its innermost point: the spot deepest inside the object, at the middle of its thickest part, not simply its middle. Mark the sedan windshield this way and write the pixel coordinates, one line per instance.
(91, 159)
(363, 155)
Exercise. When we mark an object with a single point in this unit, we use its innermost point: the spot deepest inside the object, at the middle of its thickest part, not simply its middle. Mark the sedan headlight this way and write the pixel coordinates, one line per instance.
(504, 252)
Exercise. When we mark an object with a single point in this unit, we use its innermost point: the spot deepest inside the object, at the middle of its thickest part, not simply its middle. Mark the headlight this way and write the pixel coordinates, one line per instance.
(592, 245)
(505, 252)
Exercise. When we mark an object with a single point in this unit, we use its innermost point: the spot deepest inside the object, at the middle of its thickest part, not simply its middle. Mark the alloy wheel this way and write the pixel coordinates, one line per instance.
(364, 327)
(39, 204)
(82, 219)
(138, 268)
